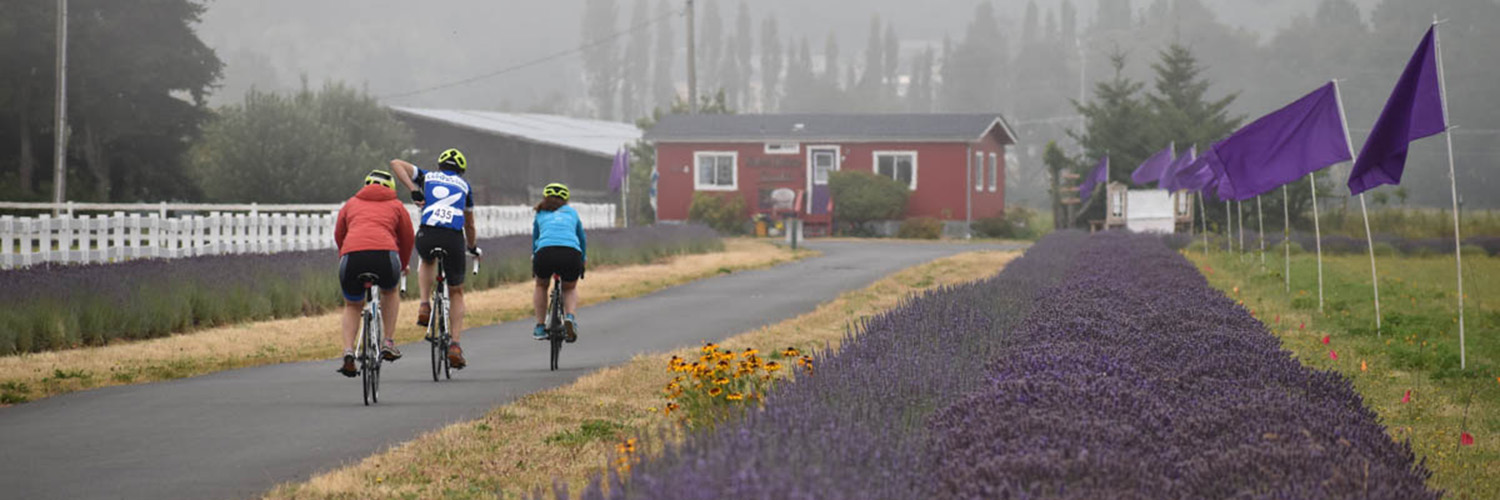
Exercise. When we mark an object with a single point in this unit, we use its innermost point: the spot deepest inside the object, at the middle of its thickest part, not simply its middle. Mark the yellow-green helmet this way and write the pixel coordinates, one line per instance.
(557, 189)
(454, 160)
(381, 177)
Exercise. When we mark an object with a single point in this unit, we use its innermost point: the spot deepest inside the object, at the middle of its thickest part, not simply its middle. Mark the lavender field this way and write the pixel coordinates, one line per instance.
(1092, 367)
(61, 307)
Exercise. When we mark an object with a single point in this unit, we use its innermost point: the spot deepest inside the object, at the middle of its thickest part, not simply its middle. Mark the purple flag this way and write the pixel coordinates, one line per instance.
(617, 171)
(1301, 138)
(1100, 174)
(1414, 111)
(1151, 169)
(1196, 176)
(1168, 179)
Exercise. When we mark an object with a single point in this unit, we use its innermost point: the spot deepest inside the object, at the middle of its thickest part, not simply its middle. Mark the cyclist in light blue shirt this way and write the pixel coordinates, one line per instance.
(558, 247)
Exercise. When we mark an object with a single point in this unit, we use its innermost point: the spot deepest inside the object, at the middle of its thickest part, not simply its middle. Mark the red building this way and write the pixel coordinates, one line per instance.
(954, 163)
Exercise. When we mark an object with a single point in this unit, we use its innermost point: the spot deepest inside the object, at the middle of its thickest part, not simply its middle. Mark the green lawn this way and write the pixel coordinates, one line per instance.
(1417, 348)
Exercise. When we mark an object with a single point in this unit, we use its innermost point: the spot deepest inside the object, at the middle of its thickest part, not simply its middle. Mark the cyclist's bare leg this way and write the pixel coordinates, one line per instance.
(426, 273)
(456, 310)
(390, 305)
(539, 299)
(352, 311)
(570, 296)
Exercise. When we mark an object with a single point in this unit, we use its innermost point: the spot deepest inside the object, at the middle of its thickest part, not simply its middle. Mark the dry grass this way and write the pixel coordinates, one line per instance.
(568, 433)
(32, 376)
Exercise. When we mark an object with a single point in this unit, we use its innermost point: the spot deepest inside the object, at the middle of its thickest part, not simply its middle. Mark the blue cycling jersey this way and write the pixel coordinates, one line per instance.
(448, 196)
(559, 228)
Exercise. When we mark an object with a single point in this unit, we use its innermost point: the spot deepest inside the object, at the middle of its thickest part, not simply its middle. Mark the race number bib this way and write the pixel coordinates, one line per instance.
(443, 215)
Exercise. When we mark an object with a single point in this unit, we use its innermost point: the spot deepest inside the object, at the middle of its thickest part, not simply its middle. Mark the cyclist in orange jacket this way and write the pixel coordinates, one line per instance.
(374, 235)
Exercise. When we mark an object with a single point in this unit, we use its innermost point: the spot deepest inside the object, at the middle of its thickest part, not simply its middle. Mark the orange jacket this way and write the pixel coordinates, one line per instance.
(375, 220)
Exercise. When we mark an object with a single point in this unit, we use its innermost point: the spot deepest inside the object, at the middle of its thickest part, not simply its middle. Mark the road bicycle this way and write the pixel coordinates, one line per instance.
(557, 333)
(368, 343)
(438, 333)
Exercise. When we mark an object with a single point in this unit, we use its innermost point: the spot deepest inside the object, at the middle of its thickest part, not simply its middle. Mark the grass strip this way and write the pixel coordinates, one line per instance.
(1416, 350)
(567, 434)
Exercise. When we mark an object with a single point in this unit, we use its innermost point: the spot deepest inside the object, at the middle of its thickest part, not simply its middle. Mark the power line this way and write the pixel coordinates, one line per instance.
(536, 62)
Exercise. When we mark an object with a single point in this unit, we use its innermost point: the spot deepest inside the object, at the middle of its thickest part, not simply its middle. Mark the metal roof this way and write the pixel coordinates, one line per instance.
(595, 137)
(829, 127)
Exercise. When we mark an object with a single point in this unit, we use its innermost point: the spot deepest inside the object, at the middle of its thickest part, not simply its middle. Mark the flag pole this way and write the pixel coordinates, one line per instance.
(1228, 227)
(1318, 237)
(1286, 235)
(1363, 211)
(1240, 207)
(1260, 215)
(1458, 254)
(1203, 220)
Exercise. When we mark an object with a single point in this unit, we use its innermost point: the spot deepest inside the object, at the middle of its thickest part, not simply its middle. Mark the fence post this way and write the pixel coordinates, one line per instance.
(7, 248)
(28, 256)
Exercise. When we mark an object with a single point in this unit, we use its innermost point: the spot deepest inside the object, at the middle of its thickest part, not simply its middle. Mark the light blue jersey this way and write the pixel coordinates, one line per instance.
(559, 228)
(448, 196)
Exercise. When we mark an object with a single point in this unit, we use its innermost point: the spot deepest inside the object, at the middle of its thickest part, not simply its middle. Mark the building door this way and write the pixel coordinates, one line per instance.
(821, 161)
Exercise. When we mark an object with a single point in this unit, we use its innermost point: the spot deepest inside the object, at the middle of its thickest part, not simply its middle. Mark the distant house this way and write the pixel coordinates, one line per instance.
(954, 163)
(513, 155)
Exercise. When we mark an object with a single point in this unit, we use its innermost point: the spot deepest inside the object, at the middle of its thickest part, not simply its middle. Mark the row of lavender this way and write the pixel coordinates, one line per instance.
(1093, 367)
(59, 307)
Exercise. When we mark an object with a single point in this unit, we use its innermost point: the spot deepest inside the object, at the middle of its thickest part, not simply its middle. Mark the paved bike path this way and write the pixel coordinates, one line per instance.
(236, 434)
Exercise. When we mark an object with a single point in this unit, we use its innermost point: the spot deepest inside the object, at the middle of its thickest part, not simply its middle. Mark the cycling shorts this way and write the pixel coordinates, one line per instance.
(384, 264)
(450, 241)
(562, 261)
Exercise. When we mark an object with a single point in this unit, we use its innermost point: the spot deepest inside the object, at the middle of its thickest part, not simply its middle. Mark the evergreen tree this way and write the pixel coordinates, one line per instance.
(710, 45)
(1182, 110)
(770, 65)
(972, 70)
(601, 66)
(1030, 29)
(874, 58)
(664, 87)
(1115, 124)
(633, 93)
(831, 60)
(1069, 24)
(892, 60)
(744, 50)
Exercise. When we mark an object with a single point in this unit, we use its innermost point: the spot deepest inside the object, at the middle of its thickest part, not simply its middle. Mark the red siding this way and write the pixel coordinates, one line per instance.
(941, 191)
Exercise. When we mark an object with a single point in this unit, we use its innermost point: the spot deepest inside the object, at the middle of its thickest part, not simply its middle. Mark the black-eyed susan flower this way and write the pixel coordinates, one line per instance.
(791, 352)
(721, 381)
(710, 347)
(772, 366)
(751, 351)
(715, 392)
(734, 396)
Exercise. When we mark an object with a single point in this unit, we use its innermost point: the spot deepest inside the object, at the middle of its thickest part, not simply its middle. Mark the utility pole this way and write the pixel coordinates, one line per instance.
(60, 134)
(692, 61)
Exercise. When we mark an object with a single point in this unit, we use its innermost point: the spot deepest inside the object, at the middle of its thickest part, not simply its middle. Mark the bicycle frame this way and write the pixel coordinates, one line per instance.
(368, 342)
(437, 326)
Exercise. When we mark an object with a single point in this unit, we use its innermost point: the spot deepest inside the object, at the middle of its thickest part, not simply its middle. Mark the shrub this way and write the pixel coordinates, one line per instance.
(1473, 251)
(862, 197)
(920, 228)
(725, 213)
(1017, 222)
(1384, 249)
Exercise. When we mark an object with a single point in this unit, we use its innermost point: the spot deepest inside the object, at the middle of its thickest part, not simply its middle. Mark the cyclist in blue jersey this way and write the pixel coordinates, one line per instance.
(447, 222)
(558, 247)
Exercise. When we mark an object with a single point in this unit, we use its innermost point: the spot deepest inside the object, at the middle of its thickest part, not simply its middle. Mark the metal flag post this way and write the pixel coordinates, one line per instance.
(1458, 254)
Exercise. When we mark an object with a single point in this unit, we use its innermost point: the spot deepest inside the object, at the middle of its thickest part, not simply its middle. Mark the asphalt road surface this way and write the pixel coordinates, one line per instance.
(238, 433)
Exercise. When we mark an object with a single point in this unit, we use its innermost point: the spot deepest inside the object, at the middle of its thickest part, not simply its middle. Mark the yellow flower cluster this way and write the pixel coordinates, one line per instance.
(625, 456)
(705, 389)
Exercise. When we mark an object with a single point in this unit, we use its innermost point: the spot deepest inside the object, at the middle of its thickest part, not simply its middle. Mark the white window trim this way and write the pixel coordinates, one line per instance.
(796, 148)
(734, 176)
(994, 172)
(875, 163)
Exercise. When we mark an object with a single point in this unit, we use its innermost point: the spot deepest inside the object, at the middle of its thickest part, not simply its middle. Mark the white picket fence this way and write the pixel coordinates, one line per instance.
(126, 233)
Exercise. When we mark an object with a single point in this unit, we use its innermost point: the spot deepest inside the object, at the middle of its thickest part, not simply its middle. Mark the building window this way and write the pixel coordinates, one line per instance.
(716, 171)
(994, 172)
(979, 171)
(900, 166)
(783, 148)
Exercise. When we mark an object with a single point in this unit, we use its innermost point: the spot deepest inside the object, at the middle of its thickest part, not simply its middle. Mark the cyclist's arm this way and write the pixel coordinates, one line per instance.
(406, 173)
(536, 232)
(405, 238)
(583, 242)
(341, 228)
(470, 232)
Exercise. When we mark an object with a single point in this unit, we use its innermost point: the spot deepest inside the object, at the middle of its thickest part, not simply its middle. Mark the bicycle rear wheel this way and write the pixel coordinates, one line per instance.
(555, 333)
